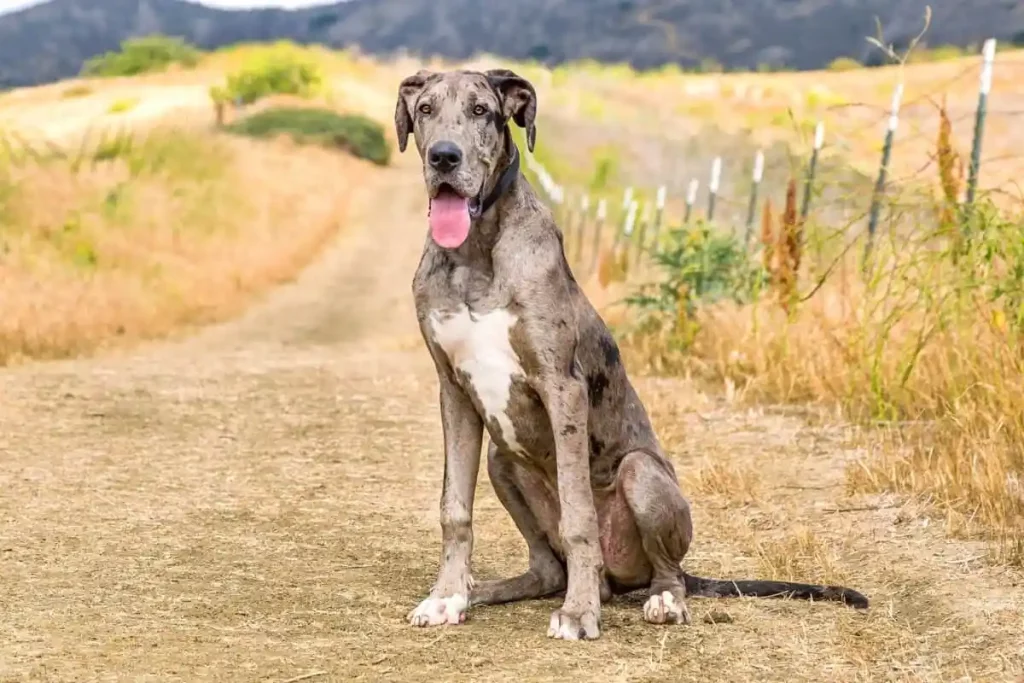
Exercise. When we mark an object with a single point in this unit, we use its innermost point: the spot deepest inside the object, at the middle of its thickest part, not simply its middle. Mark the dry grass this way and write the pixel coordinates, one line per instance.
(798, 555)
(942, 382)
(167, 233)
(723, 479)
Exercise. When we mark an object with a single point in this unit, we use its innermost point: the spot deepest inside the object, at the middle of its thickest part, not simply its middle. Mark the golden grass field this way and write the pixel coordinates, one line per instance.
(257, 499)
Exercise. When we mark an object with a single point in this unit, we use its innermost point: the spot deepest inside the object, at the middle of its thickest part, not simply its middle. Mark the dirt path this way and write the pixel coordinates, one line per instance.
(259, 503)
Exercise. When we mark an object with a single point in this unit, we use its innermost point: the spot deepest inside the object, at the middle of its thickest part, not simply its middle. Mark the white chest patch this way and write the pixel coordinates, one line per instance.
(479, 346)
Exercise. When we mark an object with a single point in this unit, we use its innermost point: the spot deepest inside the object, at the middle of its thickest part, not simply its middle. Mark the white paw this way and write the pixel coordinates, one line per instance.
(665, 609)
(437, 611)
(564, 626)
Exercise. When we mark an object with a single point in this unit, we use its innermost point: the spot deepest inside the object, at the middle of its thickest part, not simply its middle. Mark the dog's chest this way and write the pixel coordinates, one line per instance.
(479, 347)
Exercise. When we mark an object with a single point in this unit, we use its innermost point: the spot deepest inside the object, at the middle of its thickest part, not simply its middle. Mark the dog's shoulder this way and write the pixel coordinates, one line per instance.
(534, 255)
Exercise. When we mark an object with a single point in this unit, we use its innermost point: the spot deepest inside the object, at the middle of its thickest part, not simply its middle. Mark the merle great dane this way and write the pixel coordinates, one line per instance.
(521, 353)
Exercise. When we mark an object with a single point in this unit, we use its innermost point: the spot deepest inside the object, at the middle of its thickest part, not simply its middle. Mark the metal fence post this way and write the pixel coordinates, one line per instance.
(988, 56)
(691, 197)
(716, 175)
(659, 215)
(627, 197)
(629, 224)
(812, 167)
(883, 169)
(581, 231)
(602, 213)
(641, 233)
(558, 196)
(755, 187)
(568, 219)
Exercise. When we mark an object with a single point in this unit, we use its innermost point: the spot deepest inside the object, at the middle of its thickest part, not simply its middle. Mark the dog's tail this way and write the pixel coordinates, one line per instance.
(719, 588)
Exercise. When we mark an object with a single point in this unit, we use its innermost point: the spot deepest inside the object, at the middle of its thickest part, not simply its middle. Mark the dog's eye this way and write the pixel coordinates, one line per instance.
(424, 108)
(479, 110)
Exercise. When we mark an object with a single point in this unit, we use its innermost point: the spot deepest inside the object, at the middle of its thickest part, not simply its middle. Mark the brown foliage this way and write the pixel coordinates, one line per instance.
(768, 239)
(951, 168)
(783, 249)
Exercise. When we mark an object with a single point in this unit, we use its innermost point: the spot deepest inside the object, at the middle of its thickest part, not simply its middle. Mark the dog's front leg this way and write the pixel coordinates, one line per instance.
(565, 397)
(463, 436)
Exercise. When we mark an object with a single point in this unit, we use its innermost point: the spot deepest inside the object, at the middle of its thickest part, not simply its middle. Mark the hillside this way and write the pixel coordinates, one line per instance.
(50, 41)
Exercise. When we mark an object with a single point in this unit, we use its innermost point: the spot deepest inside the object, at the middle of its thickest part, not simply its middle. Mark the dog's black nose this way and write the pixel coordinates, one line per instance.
(444, 156)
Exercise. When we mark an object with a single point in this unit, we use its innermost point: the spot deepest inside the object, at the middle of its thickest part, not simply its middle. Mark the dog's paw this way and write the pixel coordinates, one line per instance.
(438, 611)
(569, 626)
(665, 608)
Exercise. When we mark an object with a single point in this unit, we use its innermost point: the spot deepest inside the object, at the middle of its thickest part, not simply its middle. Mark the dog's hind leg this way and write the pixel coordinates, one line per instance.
(662, 518)
(546, 574)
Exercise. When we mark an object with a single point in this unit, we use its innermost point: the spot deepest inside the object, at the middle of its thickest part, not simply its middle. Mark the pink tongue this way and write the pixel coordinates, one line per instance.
(449, 220)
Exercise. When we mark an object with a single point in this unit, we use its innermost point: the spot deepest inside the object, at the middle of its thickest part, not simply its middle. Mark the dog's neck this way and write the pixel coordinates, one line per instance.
(488, 227)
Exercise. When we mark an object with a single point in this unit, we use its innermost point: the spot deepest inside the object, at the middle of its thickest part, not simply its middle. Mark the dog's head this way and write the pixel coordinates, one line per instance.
(459, 121)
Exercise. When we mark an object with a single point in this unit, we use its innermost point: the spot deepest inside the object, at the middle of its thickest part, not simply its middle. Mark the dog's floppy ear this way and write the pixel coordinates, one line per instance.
(518, 100)
(408, 89)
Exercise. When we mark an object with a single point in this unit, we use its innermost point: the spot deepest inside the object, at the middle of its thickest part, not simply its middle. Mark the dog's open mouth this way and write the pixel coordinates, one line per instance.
(449, 217)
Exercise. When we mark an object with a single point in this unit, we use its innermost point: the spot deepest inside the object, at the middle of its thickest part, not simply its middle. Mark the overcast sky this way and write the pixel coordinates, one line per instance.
(10, 5)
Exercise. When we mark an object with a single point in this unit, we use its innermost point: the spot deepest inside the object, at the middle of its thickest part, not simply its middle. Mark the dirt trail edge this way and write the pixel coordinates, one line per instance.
(259, 503)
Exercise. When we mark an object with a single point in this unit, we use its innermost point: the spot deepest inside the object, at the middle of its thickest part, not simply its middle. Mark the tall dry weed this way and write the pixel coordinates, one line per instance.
(768, 238)
(782, 249)
(789, 249)
(951, 170)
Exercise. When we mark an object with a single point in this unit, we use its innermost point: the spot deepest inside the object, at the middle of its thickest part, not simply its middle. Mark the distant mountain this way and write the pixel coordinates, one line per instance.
(50, 41)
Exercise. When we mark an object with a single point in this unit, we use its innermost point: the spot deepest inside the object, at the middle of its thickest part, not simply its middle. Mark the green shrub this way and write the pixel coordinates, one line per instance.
(122, 105)
(844, 64)
(698, 265)
(142, 55)
(276, 72)
(355, 134)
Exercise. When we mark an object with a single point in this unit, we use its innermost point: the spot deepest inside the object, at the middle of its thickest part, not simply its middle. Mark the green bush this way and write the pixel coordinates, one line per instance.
(844, 64)
(699, 264)
(355, 134)
(142, 55)
(277, 72)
